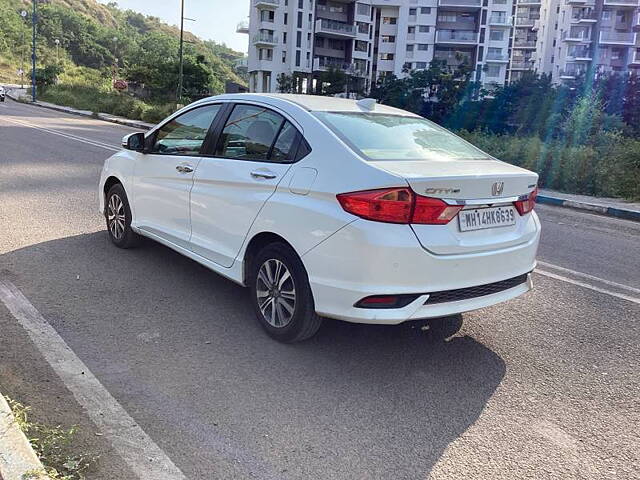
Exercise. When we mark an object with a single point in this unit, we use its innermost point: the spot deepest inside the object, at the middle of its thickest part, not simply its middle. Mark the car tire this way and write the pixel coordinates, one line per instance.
(281, 294)
(117, 214)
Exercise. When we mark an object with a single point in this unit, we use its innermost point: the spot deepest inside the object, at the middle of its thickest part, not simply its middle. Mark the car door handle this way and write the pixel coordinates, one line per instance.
(266, 174)
(184, 168)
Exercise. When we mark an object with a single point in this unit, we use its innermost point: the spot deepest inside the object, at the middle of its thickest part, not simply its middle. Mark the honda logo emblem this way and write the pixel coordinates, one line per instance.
(497, 188)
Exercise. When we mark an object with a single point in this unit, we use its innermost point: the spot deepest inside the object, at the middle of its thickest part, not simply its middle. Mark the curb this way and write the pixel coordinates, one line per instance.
(17, 458)
(100, 116)
(624, 213)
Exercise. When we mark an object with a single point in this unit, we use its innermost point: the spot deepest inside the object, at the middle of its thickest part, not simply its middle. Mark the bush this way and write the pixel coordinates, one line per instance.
(608, 166)
(102, 100)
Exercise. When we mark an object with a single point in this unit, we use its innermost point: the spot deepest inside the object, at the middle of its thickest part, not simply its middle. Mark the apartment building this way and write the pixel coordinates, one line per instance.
(369, 38)
(568, 38)
(499, 39)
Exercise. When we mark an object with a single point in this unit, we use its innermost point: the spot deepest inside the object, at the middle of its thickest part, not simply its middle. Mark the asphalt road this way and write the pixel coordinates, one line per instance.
(544, 386)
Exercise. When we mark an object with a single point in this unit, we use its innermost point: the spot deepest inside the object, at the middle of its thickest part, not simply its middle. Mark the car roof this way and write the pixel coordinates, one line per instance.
(314, 103)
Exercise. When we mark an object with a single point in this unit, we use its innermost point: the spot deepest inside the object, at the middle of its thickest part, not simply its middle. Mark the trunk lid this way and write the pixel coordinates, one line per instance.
(480, 184)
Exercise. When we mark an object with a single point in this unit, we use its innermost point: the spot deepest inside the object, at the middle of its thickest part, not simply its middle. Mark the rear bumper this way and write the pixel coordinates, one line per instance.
(366, 258)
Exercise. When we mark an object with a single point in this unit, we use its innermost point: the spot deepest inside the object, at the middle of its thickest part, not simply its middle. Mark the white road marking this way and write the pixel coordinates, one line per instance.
(131, 443)
(590, 277)
(589, 286)
(70, 136)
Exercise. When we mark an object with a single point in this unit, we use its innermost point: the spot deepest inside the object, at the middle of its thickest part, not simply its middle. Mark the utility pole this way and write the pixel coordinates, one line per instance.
(179, 96)
(23, 48)
(34, 20)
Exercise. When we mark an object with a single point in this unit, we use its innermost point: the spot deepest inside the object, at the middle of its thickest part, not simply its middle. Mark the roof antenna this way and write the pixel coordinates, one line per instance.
(368, 104)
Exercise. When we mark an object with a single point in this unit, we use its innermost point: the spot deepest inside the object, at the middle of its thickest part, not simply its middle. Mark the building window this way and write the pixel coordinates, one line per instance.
(284, 56)
(421, 65)
(300, 4)
(297, 58)
(496, 35)
(388, 39)
(413, 11)
(386, 56)
(425, 10)
(284, 37)
(299, 39)
(389, 20)
(409, 47)
(423, 46)
(267, 15)
(411, 29)
(299, 19)
(423, 28)
(493, 71)
(447, 17)
(362, 9)
(360, 46)
(286, 17)
(606, 15)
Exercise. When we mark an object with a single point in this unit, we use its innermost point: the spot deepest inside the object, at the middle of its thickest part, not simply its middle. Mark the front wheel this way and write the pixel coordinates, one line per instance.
(118, 217)
(281, 294)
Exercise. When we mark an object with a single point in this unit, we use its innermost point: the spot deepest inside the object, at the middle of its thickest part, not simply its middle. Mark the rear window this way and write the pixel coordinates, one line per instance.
(378, 136)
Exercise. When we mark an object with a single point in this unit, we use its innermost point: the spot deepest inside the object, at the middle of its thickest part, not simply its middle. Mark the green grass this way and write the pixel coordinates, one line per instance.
(100, 100)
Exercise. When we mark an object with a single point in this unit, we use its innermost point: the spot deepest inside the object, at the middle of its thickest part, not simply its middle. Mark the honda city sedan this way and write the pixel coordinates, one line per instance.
(327, 207)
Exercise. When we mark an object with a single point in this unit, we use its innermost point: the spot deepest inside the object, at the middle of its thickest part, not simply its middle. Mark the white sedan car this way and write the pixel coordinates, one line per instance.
(327, 207)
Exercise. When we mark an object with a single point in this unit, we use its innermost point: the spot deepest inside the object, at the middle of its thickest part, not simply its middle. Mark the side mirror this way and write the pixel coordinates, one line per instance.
(134, 141)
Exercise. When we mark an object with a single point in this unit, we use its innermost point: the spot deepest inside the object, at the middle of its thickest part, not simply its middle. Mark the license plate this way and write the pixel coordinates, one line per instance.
(480, 218)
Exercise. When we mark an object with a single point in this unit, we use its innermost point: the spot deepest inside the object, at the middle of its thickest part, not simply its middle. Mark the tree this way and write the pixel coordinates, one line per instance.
(285, 83)
(331, 82)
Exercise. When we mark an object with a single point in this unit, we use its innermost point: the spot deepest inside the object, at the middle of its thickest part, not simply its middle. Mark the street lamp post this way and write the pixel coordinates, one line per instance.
(34, 20)
(57, 42)
(23, 14)
(179, 96)
(180, 74)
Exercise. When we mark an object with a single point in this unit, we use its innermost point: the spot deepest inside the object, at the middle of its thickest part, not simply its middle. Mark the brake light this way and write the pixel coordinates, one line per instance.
(398, 205)
(526, 205)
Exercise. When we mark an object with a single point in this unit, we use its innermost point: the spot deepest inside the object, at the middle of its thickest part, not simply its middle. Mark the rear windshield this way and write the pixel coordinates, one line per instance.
(378, 136)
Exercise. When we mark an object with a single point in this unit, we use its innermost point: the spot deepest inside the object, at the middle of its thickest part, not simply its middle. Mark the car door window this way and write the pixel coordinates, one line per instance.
(185, 134)
(249, 133)
(282, 148)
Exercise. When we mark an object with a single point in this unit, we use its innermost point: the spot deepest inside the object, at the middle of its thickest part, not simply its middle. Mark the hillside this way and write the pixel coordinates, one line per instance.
(94, 35)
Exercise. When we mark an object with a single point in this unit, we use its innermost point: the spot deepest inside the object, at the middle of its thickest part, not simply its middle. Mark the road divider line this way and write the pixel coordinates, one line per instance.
(590, 277)
(70, 136)
(586, 285)
(128, 439)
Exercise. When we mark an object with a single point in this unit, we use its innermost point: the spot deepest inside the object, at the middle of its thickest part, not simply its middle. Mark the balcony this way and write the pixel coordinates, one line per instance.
(264, 40)
(242, 27)
(457, 37)
(635, 25)
(453, 59)
(530, 2)
(522, 65)
(579, 55)
(527, 21)
(617, 38)
(576, 36)
(621, 3)
(269, 4)
(496, 58)
(322, 64)
(333, 29)
(524, 43)
(587, 17)
(460, 4)
(500, 21)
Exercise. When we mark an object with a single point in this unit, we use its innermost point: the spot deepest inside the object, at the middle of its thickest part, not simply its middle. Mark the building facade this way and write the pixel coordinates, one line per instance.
(498, 39)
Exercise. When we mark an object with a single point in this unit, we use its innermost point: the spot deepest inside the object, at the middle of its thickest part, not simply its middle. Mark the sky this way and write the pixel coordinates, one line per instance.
(215, 19)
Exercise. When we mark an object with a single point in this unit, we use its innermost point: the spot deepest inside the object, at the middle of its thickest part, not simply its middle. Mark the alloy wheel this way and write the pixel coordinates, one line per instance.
(116, 216)
(276, 293)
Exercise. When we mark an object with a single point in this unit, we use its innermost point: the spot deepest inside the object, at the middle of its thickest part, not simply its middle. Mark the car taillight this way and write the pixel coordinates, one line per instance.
(526, 205)
(398, 205)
